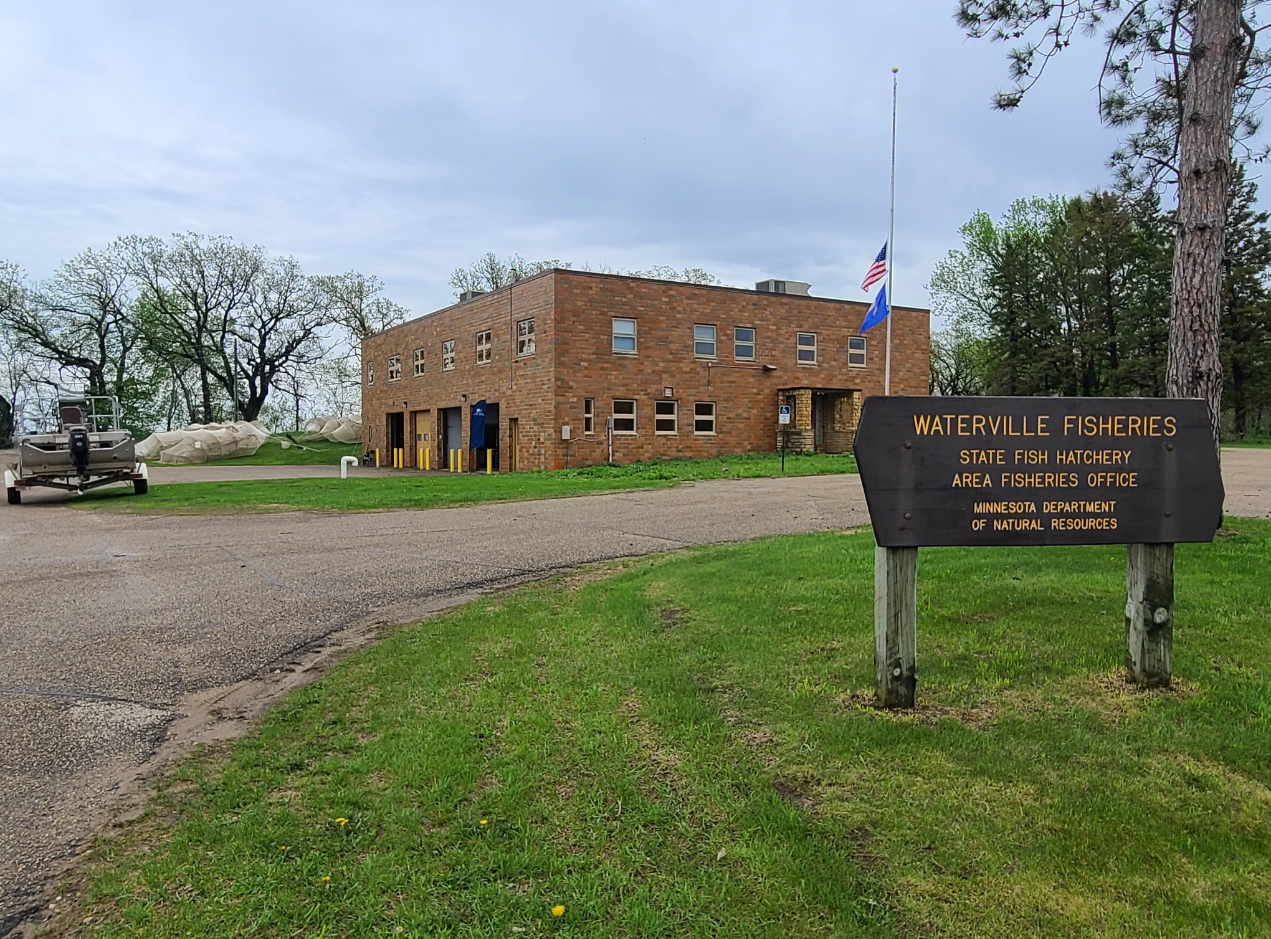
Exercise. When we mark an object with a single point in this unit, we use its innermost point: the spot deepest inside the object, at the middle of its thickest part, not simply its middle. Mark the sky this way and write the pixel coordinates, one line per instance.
(405, 139)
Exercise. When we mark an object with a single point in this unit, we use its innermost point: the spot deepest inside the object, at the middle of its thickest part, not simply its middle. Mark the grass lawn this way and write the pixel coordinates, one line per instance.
(687, 748)
(272, 453)
(417, 491)
(1260, 443)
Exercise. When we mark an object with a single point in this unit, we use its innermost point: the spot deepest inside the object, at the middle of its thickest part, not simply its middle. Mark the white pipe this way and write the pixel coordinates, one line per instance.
(345, 463)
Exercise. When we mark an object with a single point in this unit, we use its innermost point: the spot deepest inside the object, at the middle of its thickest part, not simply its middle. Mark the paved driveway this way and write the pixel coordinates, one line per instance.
(115, 625)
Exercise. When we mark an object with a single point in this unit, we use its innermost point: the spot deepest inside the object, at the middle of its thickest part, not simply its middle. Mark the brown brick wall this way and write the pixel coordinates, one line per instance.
(574, 360)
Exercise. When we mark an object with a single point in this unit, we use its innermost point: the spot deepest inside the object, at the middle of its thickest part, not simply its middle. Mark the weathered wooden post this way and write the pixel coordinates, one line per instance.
(895, 626)
(1149, 613)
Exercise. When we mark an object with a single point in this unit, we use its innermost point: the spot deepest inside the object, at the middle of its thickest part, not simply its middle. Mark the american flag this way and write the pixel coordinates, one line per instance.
(877, 271)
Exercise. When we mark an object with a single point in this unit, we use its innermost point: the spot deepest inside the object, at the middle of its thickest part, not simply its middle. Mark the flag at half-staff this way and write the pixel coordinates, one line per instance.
(878, 310)
(877, 271)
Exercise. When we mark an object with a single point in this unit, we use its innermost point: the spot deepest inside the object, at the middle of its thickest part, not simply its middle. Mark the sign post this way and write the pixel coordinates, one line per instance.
(1035, 471)
(783, 421)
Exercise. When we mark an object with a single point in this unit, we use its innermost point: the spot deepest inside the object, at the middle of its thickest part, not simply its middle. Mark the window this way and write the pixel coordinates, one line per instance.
(664, 417)
(744, 344)
(524, 338)
(624, 336)
(370, 373)
(704, 417)
(704, 342)
(419, 362)
(589, 415)
(394, 368)
(856, 351)
(807, 349)
(448, 356)
(624, 416)
(483, 347)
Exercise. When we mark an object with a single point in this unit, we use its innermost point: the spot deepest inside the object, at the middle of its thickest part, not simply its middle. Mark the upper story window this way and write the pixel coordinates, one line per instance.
(704, 342)
(624, 336)
(370, 373)
(589, 415)
(744, 344)
(524, 338)
(394, 368)
(856, 351)
(624, 416)
(448, 355)
(806, 353)
(483, 347)
(419, 362)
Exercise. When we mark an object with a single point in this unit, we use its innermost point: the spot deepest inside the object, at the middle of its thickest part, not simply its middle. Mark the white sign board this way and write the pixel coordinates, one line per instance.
(783, 414)
(564, 432)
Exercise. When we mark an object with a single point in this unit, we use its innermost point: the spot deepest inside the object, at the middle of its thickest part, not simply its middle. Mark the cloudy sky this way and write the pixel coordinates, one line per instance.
(407, 138)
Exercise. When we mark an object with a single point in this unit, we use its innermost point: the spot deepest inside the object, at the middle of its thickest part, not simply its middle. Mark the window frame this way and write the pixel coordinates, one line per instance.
(448, 355)
(624, 416)
(370, 372)
(713, 341)
(674, 417)
(419, 363)
(394, 368)
(861, 350)
(800, 347)
(589, 416)
(525, 345)
(739, 342)
(697, 416)
(487, 347)
(614, 335)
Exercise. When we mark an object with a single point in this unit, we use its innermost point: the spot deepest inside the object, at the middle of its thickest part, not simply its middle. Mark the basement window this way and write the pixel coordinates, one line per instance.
(624, 416)
(665, 419)
(448, 356)
(704, 417)
(856, 351)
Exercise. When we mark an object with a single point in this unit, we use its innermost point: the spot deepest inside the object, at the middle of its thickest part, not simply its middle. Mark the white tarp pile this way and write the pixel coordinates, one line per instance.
(198, 443)
(334, 429)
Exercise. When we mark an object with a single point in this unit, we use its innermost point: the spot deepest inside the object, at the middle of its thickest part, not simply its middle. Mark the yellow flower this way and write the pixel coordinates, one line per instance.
(282, 847)
(558, 910)
(485, 821)
(341, 822)
(325, 879)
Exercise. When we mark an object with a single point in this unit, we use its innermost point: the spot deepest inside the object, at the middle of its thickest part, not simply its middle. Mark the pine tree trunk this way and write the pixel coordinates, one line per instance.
(1195, 364)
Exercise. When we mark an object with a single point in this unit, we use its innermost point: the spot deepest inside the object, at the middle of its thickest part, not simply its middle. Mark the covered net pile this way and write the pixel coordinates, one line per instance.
(334, 429)
(199, 443)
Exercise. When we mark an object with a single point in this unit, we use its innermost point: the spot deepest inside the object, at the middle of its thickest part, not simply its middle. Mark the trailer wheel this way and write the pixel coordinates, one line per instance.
(15, 496)
(140, 487)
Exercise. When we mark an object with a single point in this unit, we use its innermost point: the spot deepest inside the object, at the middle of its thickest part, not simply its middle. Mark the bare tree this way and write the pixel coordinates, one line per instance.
(1186, 79)
(357, 302)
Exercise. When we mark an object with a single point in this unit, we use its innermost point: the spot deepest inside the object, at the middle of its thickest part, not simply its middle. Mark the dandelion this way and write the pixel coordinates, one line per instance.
(485, 821)
(558, 910)
(282, 847)
(341, 822)
(326, 879)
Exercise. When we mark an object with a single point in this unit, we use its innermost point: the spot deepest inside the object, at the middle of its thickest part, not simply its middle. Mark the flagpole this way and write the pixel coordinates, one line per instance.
(891, 235)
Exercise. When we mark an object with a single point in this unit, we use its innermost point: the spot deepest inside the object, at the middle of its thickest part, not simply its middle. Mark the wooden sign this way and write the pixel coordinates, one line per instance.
(1038, 471)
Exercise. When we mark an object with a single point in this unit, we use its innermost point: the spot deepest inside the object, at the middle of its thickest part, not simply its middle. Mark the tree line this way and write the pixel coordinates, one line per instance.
(1071, 296)
(192, 328)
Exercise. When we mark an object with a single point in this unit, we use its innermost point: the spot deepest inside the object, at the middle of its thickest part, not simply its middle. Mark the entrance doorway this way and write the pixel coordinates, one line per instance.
(396, 435)
(514, 433)
(451, 433)
(492, 435)
(421, 432)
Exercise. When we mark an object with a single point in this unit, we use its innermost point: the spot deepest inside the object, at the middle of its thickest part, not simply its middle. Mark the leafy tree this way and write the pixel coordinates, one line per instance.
(357, 303)
(1246, 341)
(490, 273)
(1185, 79)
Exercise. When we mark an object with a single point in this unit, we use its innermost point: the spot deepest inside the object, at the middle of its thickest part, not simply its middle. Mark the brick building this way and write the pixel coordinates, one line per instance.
(682, 370)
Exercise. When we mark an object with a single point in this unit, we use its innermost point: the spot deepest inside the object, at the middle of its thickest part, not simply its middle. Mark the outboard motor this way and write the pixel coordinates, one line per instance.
(79, 450)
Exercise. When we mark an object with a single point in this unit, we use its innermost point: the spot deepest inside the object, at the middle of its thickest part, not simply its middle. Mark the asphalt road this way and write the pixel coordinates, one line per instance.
(115, 625)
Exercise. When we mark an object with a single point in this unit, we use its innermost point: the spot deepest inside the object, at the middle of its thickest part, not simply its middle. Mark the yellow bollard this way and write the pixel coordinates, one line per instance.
(489, 462)
(401, 458)
(377, 457)
(459, 460)
(427, 457)
(419, 458)
(450, 460)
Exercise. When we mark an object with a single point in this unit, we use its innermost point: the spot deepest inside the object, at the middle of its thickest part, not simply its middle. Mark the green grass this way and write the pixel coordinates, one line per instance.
(272, 453)
(687, 748)
(418, 491)
(1260, 443)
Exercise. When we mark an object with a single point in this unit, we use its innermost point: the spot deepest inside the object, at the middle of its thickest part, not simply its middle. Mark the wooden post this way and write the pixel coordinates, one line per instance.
(895, 626)
(1149, 614)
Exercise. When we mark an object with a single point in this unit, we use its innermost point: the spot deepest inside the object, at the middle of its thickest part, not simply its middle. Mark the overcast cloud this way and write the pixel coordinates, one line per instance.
(405, 139)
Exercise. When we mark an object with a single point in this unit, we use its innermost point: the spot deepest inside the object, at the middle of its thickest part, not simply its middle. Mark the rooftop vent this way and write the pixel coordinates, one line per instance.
(470, 295)
(796, 288)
